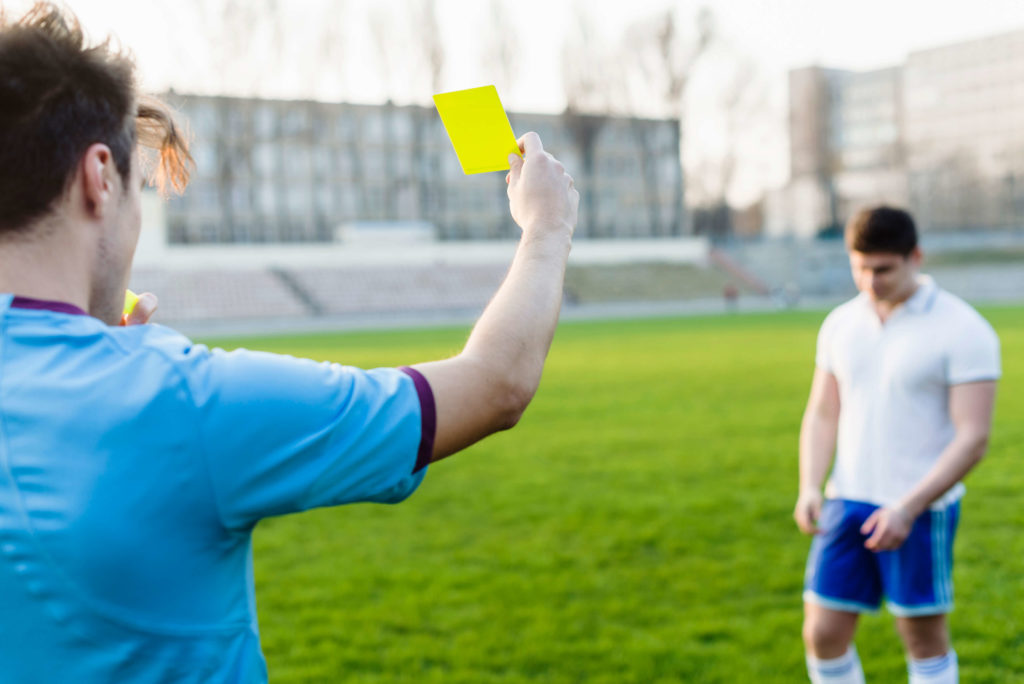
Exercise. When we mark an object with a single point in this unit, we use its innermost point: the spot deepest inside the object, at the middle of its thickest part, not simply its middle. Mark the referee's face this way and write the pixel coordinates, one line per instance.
(885, 277)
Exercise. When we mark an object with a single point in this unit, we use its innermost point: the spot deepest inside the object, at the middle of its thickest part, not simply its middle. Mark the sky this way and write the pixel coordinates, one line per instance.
(332, 51)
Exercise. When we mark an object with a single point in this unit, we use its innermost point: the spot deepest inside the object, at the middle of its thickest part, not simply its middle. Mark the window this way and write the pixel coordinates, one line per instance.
(373, 128)
(322, 162)
(345, 125)
(240, 200)
(205, 155)
(402, 126)
(265, 162)
(203, 118)
(265, 121)
(297, 163)
(299, 200)
(345, 165)
(265, 198)
(236, 120)
(295, 121)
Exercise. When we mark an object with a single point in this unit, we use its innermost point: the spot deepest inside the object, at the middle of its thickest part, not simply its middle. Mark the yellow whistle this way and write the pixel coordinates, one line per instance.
(130, 300)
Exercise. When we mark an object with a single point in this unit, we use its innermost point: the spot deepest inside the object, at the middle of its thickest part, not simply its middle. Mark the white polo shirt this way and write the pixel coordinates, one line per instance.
(894, 381)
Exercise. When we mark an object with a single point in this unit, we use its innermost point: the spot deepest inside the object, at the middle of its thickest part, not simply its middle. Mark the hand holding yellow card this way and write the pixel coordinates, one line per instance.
(478, 127)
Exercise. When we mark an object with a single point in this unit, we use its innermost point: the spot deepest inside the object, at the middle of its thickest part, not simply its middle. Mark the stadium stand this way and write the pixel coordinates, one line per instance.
(407, 288)
(277, 293)
(204, 294)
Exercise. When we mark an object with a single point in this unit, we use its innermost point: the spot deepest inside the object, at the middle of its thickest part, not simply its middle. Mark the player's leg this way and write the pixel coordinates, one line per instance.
(828, 633)
(842, 581)
(930, 658)
(919, 587)
(828, 638)
(924, 637)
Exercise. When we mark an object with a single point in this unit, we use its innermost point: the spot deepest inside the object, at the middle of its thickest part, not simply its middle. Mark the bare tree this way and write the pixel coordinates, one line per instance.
(382, 27)
(586, 71)
(232, 60)
(389, 46)
(428, 48)
(427, 61)
(325, 75)
(408, 52)
(740, 98)
(500, 57)
(664, 59)
(227, 62)
(501, 49)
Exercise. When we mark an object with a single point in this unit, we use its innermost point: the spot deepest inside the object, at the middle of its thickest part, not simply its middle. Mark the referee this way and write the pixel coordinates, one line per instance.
(134, 464)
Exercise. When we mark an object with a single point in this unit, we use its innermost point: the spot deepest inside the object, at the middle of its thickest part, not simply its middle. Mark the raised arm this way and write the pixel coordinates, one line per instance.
(817, 447)
(488, 385)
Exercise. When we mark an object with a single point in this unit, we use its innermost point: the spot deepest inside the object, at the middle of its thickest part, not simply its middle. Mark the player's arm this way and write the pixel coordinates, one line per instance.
(488, 385)
(817, 447)
(970, 408)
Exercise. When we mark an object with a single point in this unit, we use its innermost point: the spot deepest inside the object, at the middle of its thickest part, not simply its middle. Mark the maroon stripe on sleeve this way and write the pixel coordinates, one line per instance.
(428, 417)
(43, 305)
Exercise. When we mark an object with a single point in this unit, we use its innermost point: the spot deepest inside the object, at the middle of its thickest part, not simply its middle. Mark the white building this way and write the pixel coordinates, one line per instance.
(964, 111)
(279, 171)
(942, 134)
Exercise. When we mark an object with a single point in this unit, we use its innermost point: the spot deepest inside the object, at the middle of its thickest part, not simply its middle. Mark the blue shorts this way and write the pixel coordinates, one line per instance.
(915, 579)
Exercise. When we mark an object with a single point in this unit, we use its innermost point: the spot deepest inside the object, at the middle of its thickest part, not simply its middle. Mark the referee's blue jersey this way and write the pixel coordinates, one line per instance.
(133, 467)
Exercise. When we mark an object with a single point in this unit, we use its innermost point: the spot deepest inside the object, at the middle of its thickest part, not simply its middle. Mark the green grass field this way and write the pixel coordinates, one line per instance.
(635, 527)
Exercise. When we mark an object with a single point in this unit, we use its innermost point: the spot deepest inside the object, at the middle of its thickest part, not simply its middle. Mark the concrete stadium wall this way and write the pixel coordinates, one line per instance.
(297, 283)
(820, 268)
(154, 251)
(249, 257)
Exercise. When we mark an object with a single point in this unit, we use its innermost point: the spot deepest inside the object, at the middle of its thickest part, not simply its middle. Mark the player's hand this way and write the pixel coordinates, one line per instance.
(542, 196)
(807, 511)
(142, 311)
(888, 527)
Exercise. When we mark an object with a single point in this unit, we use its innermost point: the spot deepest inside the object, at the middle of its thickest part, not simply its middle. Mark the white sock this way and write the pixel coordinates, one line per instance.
(842, 670)
(942, 669)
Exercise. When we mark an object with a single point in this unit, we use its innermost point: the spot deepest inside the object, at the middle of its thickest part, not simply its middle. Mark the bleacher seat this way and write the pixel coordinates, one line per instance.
(187, 295)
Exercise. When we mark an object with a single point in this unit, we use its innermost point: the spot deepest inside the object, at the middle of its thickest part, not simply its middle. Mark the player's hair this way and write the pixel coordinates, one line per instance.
(881, 229)
(58, 96)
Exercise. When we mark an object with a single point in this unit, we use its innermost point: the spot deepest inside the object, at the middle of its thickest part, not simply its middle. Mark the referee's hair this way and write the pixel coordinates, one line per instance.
(881, 229)
(58, 96)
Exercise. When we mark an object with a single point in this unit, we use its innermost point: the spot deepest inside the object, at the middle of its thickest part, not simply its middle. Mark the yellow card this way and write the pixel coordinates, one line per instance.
(478, 127)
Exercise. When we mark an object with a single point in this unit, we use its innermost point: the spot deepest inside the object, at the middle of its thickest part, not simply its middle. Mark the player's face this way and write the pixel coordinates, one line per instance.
(883, 276)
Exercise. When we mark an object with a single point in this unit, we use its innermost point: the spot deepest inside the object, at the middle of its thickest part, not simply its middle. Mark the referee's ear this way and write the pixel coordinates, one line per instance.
(97, 180)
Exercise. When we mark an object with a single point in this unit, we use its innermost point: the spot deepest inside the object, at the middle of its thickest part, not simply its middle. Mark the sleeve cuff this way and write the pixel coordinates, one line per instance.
(428, 417)
(965, 378)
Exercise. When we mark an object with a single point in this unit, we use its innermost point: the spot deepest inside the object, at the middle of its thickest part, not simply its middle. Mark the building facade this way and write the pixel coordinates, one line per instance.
(942, 134)
(301, 171)
(964, 110)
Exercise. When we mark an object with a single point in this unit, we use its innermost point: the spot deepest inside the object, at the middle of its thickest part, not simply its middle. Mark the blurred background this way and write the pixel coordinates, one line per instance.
(718, 148)
(636, 526)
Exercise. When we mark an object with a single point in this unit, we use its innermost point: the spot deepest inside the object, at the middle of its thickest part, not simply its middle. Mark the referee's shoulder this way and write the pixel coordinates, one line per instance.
(159, 341)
